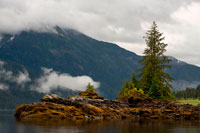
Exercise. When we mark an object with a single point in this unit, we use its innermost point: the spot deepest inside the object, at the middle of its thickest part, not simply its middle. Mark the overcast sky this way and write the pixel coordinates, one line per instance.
(119, 21)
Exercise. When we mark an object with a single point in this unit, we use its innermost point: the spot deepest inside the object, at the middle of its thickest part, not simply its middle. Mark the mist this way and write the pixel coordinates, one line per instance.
(121, 22)
(182, 84)
(20, 78)
(51, 80)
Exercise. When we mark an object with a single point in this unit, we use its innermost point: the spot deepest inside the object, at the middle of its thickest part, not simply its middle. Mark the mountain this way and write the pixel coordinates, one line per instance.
(67, 51)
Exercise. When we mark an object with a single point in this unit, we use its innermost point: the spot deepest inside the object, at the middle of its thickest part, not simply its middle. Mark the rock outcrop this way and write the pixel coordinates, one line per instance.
(84, 106)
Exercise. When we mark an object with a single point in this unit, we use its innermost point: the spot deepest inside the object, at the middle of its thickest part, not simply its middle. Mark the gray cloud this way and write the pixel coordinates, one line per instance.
(182, 84)
(20, 79)
(52, 80)
(47, 82)
(3, 86)
(123, 22)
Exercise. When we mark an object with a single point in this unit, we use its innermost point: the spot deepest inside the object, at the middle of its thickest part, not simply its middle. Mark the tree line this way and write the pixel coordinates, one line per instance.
(188, 93)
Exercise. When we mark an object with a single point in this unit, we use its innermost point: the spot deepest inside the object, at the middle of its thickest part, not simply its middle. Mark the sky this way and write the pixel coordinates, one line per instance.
(121, 22)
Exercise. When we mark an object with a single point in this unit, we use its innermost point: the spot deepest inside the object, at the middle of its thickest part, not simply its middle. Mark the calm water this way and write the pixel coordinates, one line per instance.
(9, 125)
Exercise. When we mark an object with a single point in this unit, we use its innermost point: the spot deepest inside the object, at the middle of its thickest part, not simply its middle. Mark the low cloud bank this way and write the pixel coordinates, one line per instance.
(51, 80)
(48, 81)
(3, 86)
(182, 84)
(20, 78)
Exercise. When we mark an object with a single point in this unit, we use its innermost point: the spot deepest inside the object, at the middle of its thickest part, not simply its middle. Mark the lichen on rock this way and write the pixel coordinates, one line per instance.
(90, 92)
(82, 106)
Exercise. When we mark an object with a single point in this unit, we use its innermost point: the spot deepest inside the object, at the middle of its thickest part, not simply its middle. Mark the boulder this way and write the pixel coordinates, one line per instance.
(138, 101)
(53, 99)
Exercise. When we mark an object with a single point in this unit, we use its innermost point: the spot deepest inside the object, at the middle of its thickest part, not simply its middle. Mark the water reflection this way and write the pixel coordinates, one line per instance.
(9, 125)
(111, 126)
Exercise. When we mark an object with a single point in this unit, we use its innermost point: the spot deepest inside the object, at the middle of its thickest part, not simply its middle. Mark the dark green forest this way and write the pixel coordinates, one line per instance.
(188, 93)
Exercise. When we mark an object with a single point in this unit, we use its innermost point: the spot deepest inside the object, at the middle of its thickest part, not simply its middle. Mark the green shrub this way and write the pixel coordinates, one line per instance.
(129, 90)
(126, 89)
(198, 98)
(90, 88)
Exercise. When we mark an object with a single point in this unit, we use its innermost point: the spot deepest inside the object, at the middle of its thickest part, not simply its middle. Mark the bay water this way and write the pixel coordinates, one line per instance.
(8, 124)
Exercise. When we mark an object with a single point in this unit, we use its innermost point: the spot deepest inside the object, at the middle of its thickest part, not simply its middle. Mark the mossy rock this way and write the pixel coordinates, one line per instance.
(91, 94)
(133, 93)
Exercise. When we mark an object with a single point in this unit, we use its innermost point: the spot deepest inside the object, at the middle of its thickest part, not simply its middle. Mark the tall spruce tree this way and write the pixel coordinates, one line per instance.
(154, 81)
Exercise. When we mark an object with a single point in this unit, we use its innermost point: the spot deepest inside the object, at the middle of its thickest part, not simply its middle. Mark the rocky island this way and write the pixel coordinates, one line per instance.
(90, 106)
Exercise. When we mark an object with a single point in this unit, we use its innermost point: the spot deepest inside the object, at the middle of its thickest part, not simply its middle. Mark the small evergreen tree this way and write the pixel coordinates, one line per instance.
(90, 88)
(154, 81)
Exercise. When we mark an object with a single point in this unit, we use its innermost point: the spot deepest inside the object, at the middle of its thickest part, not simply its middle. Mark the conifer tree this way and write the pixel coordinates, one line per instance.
(134, 80)
(154, 81)
(90, 88)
